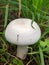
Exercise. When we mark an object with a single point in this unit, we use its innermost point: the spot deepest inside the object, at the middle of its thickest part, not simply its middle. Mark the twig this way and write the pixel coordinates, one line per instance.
(29, 62)
(6, 62)
(19, 8)
(12, 55)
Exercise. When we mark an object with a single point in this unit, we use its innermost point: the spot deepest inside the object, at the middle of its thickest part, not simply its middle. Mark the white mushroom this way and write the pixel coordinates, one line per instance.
(21, 33)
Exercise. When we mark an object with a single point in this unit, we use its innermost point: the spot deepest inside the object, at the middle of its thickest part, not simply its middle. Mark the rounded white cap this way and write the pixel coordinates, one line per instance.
(20, 32)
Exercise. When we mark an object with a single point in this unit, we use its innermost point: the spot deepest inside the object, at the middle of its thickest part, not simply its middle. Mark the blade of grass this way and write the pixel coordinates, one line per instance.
(44, 34)
(41, 55)
(35, 3)
(40, 4)
(37, 52)
(26, 7)
(4, 44)
(6, 16)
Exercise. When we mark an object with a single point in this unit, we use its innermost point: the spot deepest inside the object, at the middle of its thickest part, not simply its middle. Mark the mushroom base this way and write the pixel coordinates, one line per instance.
(22, 51)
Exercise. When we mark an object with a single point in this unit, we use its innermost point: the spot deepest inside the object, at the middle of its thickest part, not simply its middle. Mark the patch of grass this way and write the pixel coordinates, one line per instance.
(37, 10)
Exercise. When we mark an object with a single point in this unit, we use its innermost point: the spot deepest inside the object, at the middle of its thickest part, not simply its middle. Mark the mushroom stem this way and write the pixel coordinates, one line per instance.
(22, 51)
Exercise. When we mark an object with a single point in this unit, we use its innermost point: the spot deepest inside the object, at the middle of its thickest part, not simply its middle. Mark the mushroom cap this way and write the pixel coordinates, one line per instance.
(20, 32)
